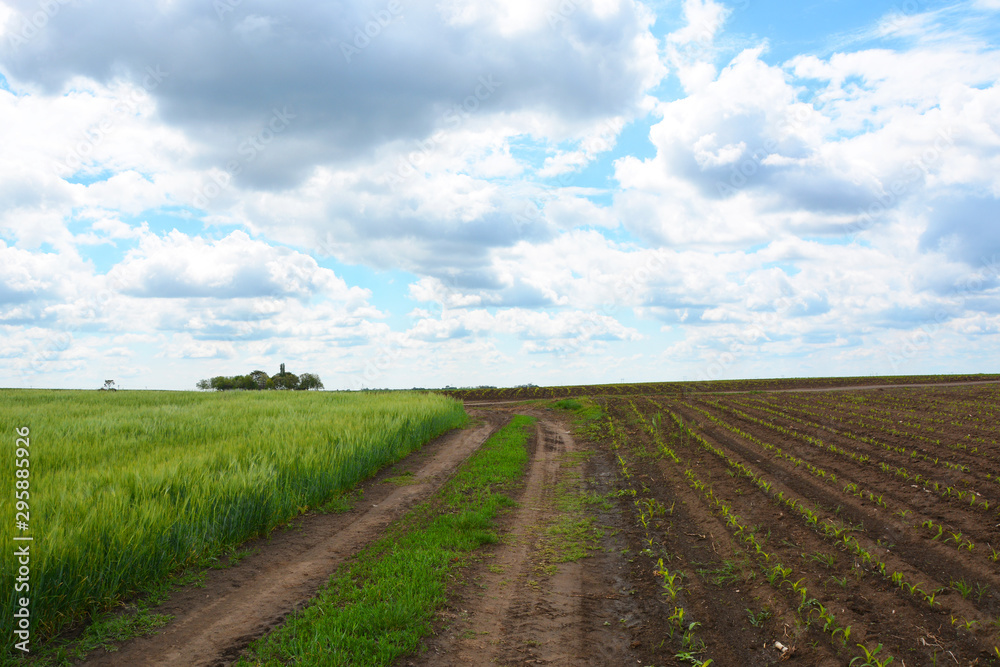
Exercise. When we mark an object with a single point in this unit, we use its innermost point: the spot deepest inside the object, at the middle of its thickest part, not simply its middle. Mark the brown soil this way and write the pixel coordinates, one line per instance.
(511, 611)
(215, 621)
(868, 387)
(503, 396)
(958, 627)
(487, 395)
(609, 608)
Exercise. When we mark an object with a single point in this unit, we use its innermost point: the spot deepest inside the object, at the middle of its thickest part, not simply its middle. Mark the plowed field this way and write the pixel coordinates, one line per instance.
(815, 527)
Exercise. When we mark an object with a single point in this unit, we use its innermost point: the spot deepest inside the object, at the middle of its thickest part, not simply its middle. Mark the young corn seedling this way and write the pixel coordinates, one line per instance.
(955, 537)
(689, 641)
(963, 623)
(828, 622)
(778, 572)
(836, 531)
(677, 618)
(795, 585)
(669, 580)
(757, 620)
(845, 634)
(962, 587)
(870, 659)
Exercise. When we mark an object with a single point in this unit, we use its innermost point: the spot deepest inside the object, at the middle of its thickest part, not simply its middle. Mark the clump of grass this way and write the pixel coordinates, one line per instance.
(758, 619)
(585, 412)
(403, 479)
(573, 533)
(568, 404)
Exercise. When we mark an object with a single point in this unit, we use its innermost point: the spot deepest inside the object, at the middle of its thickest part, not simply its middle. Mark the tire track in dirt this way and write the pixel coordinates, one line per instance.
(214, 623)
(522, 617)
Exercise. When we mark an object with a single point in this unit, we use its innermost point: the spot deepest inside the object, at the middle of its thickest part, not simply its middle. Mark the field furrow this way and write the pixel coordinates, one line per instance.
(717, 583)
(896, 544)
(909, 580)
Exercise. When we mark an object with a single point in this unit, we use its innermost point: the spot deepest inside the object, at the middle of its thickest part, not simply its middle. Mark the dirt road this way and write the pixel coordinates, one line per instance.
(519, 603)
(517, 610)
(214, 623)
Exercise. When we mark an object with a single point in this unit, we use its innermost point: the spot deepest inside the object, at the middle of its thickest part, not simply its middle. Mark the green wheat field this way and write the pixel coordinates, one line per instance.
(127, 487)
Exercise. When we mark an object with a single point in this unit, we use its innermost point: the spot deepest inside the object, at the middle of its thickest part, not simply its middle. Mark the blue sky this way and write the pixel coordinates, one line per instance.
(395, 194)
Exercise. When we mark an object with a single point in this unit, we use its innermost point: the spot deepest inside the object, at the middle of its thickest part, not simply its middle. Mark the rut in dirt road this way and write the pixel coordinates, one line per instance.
(520, 615)
(213, 624)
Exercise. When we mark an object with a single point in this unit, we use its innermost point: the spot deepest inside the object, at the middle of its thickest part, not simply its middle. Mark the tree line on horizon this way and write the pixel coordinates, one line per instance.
(259, 380)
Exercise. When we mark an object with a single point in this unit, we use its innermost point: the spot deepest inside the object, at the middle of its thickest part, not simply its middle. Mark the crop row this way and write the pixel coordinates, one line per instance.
(934, 530)
(943, 489)
(887, 423)
(845, 411)
(897, 449)
(862, 459)
(839, 533)
(704, 386)
(647, 510)
(778, 575)
(850, 543)
(948, 409)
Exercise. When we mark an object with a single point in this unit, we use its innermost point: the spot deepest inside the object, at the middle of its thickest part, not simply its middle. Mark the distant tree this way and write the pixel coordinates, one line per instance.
(109, 385)
(310, 381)
(260, 379)
(286, 381)
(257, 380)
(245, 382)
(222, 383)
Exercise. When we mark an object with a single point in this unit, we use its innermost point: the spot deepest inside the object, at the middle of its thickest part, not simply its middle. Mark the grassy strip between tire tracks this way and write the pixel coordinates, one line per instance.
(377, 606)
